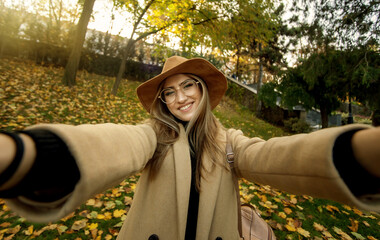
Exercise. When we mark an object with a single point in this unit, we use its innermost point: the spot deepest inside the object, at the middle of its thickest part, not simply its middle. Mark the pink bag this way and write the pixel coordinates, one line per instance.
(251, 225)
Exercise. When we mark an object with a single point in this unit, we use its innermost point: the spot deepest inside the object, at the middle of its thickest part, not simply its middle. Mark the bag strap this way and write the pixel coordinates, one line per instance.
(230, 156)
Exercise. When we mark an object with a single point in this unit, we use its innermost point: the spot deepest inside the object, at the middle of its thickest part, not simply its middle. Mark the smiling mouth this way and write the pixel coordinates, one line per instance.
(185, 107)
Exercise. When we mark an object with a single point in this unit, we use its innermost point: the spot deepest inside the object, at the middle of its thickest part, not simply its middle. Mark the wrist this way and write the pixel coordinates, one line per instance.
(7, 151)
(17, 159)
(366, 149)
(46, 180)
(357, 178)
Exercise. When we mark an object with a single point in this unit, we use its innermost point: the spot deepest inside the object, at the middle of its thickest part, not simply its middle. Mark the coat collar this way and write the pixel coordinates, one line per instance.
(210, 186)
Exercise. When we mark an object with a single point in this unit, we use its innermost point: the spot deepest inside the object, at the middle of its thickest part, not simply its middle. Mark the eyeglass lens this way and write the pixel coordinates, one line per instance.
(188, 87)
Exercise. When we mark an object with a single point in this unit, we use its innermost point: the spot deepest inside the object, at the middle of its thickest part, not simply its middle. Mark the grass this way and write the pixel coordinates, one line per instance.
(32, 94)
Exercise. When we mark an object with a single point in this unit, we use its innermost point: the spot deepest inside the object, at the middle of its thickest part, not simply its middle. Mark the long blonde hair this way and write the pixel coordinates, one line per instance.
(202, 131)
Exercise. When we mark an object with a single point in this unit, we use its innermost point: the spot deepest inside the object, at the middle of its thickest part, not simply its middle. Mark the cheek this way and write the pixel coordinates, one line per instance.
(170, 107)
(199, 95)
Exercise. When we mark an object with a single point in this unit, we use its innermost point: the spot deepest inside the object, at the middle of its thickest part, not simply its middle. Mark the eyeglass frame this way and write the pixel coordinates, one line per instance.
(159, 95)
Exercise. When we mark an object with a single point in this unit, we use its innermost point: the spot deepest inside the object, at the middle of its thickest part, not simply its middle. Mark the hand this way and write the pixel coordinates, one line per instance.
(7, 154)
(366, 149)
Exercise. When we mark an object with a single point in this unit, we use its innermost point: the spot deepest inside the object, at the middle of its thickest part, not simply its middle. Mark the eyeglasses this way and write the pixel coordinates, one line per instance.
(188, 87)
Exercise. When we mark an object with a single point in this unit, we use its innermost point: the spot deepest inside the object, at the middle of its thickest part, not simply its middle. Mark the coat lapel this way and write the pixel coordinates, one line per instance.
(210, 189)
(182, 167)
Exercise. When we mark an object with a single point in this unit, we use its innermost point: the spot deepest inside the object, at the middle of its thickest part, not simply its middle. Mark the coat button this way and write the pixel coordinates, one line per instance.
(153, 237)
(218, 238)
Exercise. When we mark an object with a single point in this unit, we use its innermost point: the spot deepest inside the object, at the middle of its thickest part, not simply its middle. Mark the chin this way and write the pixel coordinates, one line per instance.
(186, 118)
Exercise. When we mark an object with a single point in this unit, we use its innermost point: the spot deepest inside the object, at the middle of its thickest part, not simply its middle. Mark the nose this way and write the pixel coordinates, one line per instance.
(181, 97)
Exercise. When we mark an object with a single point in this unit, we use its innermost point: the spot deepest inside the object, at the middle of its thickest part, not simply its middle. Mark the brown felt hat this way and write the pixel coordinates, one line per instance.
(215, 80)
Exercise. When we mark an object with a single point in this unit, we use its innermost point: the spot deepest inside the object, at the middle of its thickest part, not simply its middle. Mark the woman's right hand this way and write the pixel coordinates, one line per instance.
(7, 154)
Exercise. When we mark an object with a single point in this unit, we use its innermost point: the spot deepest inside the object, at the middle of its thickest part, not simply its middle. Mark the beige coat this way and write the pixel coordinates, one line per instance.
(107, 153)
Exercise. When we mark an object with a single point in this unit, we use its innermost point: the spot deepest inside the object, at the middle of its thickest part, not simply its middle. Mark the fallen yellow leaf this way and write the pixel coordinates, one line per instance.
(29, 231)
(332, 208)
(79, 224)
(327, 234)
(5, 224)
(61, 229)
(107, 216)
(358, 212)
(288, 210)
(116, 192)
(290, 228)
(347, 207)
(94, 233)
(118, 213)
(293, 199)
(127, 200)
(14, 230)
(354, 225)
(303, 232)
(90, 202)
(344, 235)
(5, 208)
(319, 227)
(108, 237)
(366, 224)
(93, 226)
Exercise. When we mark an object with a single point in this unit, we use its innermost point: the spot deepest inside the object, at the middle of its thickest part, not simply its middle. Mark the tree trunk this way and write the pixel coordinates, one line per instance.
(238, 66)
(324, 117)
(73, 62)
(2, 47)
(259, 83)
(120, 74)
(376, 117)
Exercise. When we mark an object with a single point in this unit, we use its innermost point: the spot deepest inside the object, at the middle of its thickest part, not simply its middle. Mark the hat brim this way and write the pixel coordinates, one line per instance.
(215, 80)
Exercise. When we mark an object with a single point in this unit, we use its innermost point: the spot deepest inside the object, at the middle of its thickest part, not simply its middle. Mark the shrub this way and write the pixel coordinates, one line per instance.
(296, 125)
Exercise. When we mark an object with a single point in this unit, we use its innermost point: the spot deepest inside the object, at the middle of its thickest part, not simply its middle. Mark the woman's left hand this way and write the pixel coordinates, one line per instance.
(366, 149)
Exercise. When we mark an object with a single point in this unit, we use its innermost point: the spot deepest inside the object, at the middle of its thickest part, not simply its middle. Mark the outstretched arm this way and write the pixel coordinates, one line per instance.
(72, 163)
(329, 163)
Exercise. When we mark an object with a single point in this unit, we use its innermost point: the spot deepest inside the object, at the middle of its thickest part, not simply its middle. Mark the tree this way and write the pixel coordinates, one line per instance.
(325, 79)
(73, 62)
(251, 33)
(153, 17)
(319, 82)
(139, 13)
(353, 23)
(348, 23)
(363, 72)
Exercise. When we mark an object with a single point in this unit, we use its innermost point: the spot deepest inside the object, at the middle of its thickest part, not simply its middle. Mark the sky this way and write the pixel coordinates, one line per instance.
(102, 19)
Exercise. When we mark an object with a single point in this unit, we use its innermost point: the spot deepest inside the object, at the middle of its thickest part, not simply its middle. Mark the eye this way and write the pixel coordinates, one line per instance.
(188, 84)
(168, 93)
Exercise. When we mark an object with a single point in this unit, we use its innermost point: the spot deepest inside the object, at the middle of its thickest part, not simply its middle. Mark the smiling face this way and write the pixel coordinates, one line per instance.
(186, 101)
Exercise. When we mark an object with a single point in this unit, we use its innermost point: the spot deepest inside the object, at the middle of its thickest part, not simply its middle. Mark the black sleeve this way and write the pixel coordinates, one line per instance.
(54, 173)
(359, 180)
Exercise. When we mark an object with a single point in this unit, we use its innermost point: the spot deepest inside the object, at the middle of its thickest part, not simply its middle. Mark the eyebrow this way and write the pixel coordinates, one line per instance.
(172, 87)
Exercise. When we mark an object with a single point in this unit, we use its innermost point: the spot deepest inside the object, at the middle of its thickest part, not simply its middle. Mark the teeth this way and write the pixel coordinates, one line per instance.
(185, 107)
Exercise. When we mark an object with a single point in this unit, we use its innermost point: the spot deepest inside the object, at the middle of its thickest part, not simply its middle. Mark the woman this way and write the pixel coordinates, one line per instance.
(186, 189)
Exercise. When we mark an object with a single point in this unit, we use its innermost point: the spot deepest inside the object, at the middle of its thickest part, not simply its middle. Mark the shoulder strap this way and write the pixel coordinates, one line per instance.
(230, 156)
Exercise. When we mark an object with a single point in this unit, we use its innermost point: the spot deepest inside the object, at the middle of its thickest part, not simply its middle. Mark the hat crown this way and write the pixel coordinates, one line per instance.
(172, 62)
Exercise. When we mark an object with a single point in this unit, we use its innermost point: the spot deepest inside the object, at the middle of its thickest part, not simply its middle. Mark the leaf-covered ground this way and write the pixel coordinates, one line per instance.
(31, 94)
